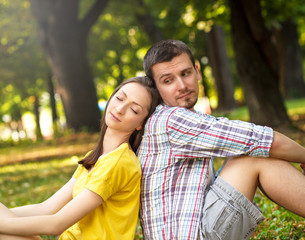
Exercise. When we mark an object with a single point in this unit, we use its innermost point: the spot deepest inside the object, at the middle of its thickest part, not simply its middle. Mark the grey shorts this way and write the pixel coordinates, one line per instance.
(228, 214)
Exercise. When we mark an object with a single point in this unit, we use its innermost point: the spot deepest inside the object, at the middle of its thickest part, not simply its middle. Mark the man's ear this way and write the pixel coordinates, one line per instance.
(197, 67)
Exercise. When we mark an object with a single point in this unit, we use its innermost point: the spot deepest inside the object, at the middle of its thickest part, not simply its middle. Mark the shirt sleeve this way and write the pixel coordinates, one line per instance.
(111, 174)
(194, 134)
(78, 171)
(80, 168)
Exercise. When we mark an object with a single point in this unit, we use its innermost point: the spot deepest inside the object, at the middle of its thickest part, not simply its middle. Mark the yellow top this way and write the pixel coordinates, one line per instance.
(116, 178)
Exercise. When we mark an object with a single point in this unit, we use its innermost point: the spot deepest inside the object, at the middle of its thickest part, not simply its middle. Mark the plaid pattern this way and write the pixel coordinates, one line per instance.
(175, 153)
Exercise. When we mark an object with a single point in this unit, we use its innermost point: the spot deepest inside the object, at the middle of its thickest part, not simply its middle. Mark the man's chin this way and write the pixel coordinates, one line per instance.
(188, 104)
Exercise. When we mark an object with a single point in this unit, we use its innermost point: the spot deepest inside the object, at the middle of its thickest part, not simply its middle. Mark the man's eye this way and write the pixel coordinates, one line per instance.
(167, 81)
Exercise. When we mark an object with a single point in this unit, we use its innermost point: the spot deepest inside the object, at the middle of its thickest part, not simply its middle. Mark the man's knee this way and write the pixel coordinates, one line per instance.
(239, 163)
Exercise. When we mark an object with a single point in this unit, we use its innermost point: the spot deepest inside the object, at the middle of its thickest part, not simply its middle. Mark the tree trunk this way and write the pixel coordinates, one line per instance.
(145, 19)
(254, 64)
(53, 103)
(220, 68)
(64, 40)
(37, 118)
(291, 66)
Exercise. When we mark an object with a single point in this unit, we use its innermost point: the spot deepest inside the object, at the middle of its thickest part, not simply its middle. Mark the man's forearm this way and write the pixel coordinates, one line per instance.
(286, 149)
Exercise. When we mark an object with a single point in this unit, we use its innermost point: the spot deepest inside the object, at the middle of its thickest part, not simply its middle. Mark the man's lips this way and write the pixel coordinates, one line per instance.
(114, 117)
(185, 95)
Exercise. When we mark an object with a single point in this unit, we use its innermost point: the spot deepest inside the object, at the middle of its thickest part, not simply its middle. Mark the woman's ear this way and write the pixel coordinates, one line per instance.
(139, 128)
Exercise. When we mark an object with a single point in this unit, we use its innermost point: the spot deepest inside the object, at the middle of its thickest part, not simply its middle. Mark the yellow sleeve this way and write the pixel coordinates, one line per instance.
(80, 168)
(78, 171)
(112, 173)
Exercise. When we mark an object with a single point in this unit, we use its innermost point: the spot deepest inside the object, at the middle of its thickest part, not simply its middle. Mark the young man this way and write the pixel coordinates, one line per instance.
(179, 197)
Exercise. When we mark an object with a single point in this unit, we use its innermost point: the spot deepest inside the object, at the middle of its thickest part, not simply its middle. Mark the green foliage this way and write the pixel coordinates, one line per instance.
(279, 10)
(22, 64)
(115, 47)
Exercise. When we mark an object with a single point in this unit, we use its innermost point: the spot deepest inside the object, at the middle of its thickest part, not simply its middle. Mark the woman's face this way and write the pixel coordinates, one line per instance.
(128, 108)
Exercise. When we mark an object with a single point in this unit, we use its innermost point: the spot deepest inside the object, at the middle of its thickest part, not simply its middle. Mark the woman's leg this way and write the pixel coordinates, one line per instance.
(5, 212)
(278, 179)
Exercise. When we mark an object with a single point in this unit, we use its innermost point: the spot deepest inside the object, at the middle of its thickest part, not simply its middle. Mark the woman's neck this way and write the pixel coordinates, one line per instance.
(113, 139)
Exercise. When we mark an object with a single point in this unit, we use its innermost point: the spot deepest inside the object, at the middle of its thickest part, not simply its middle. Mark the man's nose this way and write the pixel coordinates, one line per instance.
(181, 84)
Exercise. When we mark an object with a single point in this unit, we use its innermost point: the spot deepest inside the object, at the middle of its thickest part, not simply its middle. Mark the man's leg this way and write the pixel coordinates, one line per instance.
(278, 179)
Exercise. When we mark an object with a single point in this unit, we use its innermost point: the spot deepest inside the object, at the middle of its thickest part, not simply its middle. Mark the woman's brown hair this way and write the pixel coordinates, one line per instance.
(136, 137)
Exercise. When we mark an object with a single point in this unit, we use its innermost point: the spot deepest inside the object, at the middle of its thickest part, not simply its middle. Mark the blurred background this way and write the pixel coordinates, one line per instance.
(60, 60)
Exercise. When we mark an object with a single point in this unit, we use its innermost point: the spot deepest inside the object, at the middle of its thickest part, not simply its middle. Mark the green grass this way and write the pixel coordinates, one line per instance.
(279, 223)
(294, 107)
(33, 182)
(30, 183)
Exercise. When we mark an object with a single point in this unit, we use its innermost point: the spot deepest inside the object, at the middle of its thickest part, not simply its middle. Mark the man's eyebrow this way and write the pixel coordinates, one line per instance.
(168, 74)
(132, 101)
(164, 75)
(187, 69)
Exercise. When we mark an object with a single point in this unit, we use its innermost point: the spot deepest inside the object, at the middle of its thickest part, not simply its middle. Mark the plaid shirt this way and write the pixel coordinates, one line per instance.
(175, 153)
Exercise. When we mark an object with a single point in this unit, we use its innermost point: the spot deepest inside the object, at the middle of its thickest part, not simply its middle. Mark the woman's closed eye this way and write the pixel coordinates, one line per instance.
(134, 110)
(119, 98)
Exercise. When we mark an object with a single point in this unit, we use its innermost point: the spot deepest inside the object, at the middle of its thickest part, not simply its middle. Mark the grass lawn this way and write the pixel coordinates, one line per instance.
(24, 181)
(34, 182)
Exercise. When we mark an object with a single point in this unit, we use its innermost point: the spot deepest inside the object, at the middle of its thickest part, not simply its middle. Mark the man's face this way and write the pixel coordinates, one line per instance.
(177, 81)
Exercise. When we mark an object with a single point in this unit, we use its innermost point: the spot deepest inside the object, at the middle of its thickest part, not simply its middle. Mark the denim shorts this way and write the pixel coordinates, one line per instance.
(228, 214)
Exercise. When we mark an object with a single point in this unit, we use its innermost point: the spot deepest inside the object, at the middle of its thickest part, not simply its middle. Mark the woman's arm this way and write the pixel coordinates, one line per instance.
(85, 202)
(50, 206)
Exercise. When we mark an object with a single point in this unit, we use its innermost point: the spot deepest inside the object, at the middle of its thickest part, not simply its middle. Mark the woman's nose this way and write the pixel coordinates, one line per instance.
(120, 108)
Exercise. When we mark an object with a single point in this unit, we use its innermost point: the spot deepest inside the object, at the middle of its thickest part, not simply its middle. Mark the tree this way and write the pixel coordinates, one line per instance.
(145, 19)
(285, 18)
(63, 35)
(291, 63)
(256, 59)
(22, 65)
(219, 62)
(116, 47)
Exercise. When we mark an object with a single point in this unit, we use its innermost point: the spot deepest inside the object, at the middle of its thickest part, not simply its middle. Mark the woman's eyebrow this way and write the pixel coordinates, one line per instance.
(132, 101)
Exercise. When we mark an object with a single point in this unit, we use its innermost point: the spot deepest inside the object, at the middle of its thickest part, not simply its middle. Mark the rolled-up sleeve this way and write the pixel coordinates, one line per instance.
(193, 134)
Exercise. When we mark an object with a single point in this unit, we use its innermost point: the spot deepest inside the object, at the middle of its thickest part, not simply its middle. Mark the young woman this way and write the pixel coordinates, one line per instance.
(101, 200)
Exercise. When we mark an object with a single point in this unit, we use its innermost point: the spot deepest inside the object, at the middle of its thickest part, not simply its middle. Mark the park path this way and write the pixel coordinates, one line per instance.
(74, 144)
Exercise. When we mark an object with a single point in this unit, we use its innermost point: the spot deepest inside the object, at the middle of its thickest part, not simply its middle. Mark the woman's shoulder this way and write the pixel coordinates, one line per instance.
(121, 157)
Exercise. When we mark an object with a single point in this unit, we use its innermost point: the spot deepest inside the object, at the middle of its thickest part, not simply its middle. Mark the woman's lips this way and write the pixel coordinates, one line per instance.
(114, 117)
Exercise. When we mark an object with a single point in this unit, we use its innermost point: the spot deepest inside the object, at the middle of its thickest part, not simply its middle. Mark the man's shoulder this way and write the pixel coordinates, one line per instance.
(174, 115)
(164, 110)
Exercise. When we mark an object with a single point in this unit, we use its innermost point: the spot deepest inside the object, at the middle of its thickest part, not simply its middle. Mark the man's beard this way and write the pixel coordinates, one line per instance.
(189, 103)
